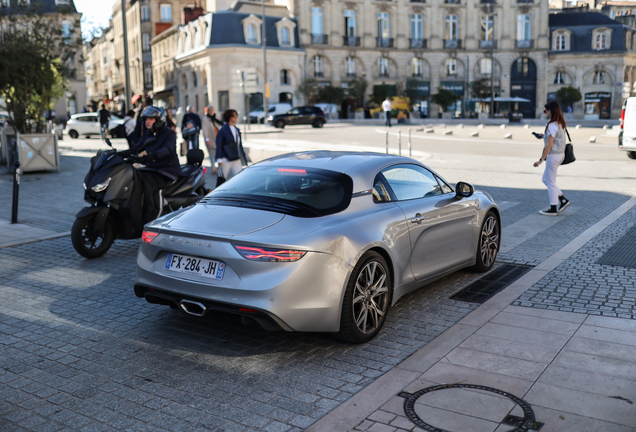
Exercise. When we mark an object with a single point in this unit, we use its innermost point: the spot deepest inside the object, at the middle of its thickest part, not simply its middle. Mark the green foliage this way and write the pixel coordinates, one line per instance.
(444, 98)
(480, 89)
(566, 96)
(357, 89)
(331, 94)
(310, 89)
(36, 61)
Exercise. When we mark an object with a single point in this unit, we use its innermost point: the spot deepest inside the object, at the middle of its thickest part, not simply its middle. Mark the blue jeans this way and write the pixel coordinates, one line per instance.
(387, 121)
(193, 142)
(101, 130)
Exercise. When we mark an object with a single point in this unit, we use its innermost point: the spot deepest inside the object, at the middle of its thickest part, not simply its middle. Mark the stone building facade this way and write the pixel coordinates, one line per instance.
(437, 43)
(596, 54)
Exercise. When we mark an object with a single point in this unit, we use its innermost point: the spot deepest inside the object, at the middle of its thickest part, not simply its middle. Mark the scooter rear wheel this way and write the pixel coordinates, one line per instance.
(91, 245)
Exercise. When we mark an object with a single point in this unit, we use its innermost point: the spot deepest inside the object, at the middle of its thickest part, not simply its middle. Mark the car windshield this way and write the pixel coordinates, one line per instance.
(302, 192)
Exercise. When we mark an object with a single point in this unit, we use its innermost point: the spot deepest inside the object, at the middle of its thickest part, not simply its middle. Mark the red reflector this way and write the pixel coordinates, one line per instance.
(148, 236)
(247, 310)
(205, 170)
(292, 170)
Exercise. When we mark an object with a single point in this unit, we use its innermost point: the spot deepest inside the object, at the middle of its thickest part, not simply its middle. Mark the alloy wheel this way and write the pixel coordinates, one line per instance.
(489, 241)
(370, 297)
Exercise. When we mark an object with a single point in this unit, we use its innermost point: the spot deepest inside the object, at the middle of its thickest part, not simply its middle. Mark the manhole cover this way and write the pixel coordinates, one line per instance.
(493, 282)
(437, 408)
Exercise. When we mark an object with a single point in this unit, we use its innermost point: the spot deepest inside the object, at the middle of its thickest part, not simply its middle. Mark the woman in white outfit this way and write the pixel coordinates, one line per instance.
(230, 164)
(553, 154)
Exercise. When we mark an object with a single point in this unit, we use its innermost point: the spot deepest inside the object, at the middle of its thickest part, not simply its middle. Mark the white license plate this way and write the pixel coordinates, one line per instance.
(196, 266)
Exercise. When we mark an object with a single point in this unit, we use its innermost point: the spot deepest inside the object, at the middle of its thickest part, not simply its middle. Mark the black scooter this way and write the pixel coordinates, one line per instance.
(114, 190)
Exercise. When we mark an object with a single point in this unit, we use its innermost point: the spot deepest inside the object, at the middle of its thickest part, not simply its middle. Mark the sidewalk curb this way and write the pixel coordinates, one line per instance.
(346, 416)
(51, 237)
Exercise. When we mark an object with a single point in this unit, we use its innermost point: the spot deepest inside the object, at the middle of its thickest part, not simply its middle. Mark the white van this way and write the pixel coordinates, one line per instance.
(628, 128)
(258, 115)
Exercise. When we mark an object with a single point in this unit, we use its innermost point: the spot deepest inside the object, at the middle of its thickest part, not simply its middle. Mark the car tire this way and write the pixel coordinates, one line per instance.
(318, 123)
(85, 245)
(631, 154)
(73, 134)
(280, 124)
(364, 308)
(488, 244)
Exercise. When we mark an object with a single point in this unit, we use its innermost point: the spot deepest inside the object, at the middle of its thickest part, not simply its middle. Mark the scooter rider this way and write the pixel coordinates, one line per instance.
(159, 157)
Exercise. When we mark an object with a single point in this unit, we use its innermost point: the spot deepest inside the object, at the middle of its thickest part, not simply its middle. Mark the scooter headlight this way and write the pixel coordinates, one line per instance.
(100, 187)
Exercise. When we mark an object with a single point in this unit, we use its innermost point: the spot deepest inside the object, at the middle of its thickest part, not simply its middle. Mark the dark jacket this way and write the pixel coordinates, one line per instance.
(215, 120)
(224, 137)
(193, 117)
(164, 150)
(104, 116)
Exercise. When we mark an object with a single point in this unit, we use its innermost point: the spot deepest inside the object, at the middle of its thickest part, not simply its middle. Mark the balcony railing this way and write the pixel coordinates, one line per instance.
(487, 1)
(524, 44)
(418, 1)
(384, 42)
(451, 1)
(483, 44)
(384, 74)
(319, 74)
(319, 39)
(525, 1)
(351, 75)
(453, 43)
(351, 40)
(419, 43)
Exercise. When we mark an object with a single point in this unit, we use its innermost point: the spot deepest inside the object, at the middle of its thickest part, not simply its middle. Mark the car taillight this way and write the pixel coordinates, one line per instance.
(269, 254)
(148, 236)
(622, 120)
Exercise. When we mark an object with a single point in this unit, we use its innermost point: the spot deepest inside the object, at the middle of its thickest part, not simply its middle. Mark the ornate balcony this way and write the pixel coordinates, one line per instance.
(384, 42)
(483, 44)
(453, 43)
(451, 1)
(319, 74)
(351, 40)
(418, 43)
(319, 39)
(524, 44)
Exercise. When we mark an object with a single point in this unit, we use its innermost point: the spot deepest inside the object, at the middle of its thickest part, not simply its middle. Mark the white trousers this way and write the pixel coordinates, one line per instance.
(232, 168)
(549, 176)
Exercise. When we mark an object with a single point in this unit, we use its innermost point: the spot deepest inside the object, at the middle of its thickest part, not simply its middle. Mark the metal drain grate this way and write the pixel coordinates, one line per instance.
(489, 285)
(623, 253)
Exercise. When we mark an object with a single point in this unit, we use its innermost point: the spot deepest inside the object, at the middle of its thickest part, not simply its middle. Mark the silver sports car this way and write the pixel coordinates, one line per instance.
(317, 241)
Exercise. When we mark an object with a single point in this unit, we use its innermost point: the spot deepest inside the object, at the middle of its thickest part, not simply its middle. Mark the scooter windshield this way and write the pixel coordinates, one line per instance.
(108, 157)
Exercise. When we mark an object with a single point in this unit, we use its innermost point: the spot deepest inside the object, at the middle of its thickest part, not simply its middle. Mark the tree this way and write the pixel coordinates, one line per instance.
(567, 96)
(444, 98)
(331, 94)
(310, 89)
(357, 89)
(480, 89)
(37, 57)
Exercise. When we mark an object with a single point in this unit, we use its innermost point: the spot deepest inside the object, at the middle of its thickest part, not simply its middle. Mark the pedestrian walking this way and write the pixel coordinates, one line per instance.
(129, 125)
(553, 155)
(190, 128)
(210, 129)
(386, 106)
(229, 147)
(104, 117)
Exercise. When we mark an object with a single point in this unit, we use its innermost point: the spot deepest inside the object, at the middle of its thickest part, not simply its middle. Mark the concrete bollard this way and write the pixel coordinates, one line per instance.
(429, 131)
(578, 126)
(526, 126)
(460, 126)
(474, 134)
(480, 126)
(604, 127)
(448, 132)
(592, 139)
(502, 126)
(508, 136)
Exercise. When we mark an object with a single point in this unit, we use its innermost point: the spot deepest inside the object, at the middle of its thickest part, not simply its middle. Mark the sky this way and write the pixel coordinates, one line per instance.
(96, 14)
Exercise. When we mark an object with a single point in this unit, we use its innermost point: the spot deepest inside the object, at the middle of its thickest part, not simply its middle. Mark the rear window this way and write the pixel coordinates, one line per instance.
(301, 192)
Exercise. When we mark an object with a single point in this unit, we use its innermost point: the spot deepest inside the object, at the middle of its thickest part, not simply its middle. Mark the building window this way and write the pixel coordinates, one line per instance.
(524, 27)
(251, 34)
(417, 27)
(195, 82)
(166, 12)
(487, 26)
(383, 67)
(523, 68)
(145, 41)
(560, 42)
(452, 22)
(451, 68)
(559, 78)
(485, 67)
(350, 23)
(148, 75)
(383, 25)
(67, 32)
(599, 77)
(284, 77)
(316, 20)
(318, 67)
(600, 41)
(145, 13)
(417, 68)
(351, 67)
(284, 36)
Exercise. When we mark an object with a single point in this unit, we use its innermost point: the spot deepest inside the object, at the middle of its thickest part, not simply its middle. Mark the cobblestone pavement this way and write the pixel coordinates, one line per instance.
(78, 351)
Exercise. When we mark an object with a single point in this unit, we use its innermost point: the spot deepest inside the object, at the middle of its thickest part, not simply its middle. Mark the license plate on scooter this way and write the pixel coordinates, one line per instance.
(195, 266)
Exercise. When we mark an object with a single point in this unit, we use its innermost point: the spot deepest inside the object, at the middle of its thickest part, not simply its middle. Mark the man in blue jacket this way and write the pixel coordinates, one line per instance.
(157, 150)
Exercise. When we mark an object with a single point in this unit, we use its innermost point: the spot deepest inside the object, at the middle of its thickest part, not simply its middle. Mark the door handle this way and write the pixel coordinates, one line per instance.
(418, 218)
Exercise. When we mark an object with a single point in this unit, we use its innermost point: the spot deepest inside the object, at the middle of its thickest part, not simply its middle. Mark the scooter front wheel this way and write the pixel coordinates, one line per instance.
(88, 243)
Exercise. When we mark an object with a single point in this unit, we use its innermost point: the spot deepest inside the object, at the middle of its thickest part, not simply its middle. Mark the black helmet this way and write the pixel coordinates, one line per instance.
(157, 113)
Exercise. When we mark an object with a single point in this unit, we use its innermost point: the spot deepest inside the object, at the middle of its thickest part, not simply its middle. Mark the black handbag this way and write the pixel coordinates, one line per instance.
(231, 151)
(220, 178)
(569, 151)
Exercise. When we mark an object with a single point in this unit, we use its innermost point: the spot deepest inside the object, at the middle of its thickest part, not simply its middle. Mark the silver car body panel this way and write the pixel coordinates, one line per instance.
(307, 295)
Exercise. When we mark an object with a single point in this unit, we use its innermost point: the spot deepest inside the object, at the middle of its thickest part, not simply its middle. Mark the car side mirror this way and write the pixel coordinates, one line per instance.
(464, 190)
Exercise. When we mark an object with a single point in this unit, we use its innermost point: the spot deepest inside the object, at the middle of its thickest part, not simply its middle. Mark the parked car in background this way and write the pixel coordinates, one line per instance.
(330, 110)
(87, 124)
(307, 115)
(258, 116)
(627, 135)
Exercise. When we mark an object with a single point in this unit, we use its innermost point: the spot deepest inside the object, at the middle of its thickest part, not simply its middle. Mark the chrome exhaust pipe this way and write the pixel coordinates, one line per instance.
(193, 308)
